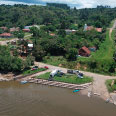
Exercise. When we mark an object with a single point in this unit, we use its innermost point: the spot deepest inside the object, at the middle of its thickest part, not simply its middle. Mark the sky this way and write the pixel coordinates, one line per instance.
(73, 3)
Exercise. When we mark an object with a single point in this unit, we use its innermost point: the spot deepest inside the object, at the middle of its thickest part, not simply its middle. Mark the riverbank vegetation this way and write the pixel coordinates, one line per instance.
(29, 72)
(67, 78)
(111, 85)
(63, 33)
(10, 63)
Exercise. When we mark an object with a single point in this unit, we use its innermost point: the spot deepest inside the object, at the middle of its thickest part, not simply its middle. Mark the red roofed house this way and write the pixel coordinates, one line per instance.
(26, 30)
(52, 34)
(84, 51)
(4, 28)
(98, 29)
(5, 35)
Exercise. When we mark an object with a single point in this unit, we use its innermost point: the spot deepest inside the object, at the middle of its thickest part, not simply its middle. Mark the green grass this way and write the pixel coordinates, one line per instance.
(67, 78)
(5, 39)
(54, 60)
(111, 25)
(109, 87)
(28, 72)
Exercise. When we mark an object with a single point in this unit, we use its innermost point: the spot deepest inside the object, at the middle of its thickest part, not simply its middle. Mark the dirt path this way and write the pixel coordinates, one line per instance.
(15, 39)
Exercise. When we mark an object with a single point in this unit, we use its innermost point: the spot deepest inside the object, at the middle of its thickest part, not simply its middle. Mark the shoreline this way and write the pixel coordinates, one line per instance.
(96, 88)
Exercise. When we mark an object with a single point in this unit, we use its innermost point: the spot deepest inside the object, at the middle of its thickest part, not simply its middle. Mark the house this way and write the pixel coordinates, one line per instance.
(84, 51)
(27, 27)
(30, 46)
(90, 28)
(68, 31)
(26, 30)
(99, 29)
(14, 29)
(6, 35)
(3, 28)
(52, 34)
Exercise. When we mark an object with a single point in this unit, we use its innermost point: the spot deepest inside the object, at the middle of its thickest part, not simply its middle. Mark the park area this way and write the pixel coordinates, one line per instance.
(67, 78)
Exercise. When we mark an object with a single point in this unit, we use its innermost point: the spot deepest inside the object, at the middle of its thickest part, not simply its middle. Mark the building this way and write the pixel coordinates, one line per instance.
(27, 27)
(92, 49)
(52, 34)
(89, 28)
(99, 29)
(84, 51)
(68, 31)
(85, 27)
(26, 30)
(30, 46)
(14, 29)
(6, 35)
(3, 28)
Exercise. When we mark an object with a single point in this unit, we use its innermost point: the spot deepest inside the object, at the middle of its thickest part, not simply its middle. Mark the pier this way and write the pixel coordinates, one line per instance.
(59, 84)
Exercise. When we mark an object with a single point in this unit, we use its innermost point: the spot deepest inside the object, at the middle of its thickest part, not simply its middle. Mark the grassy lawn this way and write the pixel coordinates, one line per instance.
(67, 78)
(109, 87)
(28, 72)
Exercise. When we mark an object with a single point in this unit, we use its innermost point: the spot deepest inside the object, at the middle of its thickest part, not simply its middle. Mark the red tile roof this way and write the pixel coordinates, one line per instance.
(99, 29)
(5, 35)
(52, 34)
(86, 50)
(4, 28)
(26, 30)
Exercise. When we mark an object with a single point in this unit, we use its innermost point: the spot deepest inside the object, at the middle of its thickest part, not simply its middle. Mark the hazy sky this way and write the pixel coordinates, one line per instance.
(77, 3)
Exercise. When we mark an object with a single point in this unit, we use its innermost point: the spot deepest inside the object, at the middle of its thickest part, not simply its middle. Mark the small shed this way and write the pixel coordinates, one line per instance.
(92, 49)
(26, 30)
(84, 51)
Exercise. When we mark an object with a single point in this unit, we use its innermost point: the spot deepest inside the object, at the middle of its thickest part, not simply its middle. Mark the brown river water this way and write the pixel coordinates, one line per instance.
(41, 100)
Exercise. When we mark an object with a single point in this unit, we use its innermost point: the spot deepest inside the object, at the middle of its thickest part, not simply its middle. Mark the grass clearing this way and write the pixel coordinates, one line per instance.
(67, 78)
(109, 87)
(54, 60)
(29, 72)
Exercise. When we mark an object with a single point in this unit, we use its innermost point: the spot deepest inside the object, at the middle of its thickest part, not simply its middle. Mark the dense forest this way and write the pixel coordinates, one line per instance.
(21, 15)
(52, 40)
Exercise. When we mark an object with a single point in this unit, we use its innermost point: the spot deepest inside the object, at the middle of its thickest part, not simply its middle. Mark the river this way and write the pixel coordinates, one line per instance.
(41, 100)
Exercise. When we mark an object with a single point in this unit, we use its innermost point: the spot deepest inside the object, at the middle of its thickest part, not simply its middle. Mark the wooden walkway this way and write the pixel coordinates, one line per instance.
(60, 84)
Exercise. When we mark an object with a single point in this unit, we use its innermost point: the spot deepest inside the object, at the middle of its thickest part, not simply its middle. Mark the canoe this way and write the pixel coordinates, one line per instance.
(77, 90)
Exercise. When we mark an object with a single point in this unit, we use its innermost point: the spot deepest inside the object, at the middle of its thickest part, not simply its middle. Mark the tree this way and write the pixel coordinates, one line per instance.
(72, 54)
(20, 35)
(62, 33)
(38, 52)
(1, 31)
